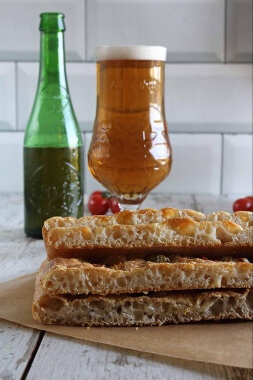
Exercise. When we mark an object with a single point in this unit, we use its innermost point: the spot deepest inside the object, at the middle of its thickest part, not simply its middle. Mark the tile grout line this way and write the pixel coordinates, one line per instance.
(222, 162)
(180, 63)
(86, 29)
(85, 162)
(32, 357)
(16, 95)
(173, 132)
(225, 30)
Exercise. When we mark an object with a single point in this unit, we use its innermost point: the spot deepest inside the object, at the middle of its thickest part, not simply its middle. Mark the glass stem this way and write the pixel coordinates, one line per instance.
(131, 207)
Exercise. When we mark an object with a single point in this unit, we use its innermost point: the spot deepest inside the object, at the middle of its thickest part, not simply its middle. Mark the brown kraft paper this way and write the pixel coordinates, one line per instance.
(226, 343)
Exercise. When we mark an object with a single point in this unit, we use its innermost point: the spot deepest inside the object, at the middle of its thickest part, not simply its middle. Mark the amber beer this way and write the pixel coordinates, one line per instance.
(130, 152)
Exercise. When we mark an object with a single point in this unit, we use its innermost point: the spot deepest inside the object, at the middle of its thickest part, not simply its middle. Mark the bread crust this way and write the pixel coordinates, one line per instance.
(117, 275)
(142, 310)
(146, 216)
(111, 293)
(175, 235)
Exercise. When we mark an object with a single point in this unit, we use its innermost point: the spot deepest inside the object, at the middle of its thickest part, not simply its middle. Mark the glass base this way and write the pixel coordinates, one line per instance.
(128, 203)
(131, 207)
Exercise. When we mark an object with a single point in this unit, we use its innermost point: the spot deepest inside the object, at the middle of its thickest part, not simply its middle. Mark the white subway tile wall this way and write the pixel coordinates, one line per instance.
(196, 164)
(11, 162)
(192, 30)
(209, 98)
(7, 96)
(27, 80)
(19, 23)
(239, 31)
(237, 164)
(208, 93)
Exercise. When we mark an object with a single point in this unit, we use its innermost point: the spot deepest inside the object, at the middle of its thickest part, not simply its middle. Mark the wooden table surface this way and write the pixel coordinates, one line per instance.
(33, 354)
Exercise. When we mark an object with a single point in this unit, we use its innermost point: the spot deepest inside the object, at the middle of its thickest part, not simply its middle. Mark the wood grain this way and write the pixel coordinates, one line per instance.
(66, 358)
(208, 204)
(18, 256)
(17, 344)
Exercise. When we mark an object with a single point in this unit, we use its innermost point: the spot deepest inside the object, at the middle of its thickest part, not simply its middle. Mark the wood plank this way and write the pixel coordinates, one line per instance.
(67, 358)
(159, 200)
(18, 256)
(208, 204)
(17, 344)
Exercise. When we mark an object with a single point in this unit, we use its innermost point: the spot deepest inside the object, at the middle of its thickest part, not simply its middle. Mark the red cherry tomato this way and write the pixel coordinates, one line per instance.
(250, 204)
(243, 204)
(97, 204)
(97, 192)
(114, 205)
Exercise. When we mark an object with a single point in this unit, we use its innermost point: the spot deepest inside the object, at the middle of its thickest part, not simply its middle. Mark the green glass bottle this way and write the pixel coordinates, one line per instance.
(53, 147)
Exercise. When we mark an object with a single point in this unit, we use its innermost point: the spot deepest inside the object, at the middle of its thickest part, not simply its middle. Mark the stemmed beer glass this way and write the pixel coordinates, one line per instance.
(130, 151)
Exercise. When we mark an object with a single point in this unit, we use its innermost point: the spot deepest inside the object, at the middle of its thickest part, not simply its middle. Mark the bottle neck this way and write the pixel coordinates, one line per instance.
(52, 59)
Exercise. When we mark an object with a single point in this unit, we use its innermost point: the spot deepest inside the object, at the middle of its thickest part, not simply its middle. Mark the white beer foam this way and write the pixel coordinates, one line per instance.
(139, 52)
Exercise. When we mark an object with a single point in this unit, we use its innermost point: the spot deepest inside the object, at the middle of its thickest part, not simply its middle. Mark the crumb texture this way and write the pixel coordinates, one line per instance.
(144, 268)
(156, 273)
(154, 309)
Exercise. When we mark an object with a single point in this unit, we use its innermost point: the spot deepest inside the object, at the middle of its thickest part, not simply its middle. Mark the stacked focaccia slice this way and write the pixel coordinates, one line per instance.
(148, 267)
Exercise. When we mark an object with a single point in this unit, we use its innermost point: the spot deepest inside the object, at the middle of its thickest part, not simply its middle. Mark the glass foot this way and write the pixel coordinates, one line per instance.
(132, 203)
(131, 207)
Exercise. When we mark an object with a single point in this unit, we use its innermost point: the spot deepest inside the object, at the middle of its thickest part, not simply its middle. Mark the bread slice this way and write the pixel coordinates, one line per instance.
(157, 273)
(140, 310)
(175, 235)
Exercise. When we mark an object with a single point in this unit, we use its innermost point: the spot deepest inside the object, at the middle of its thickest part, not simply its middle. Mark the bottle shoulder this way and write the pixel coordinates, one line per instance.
(53, 140)
(52, 122)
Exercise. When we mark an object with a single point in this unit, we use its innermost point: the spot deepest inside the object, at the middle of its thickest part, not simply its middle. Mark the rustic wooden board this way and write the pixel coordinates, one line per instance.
(59, 357)
(208, 204)
(18, 256)
(17, 344)
(158, 200)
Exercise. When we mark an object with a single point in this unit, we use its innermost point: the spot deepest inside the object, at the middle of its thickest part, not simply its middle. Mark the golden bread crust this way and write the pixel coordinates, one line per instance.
(146, 216)
(171, 235)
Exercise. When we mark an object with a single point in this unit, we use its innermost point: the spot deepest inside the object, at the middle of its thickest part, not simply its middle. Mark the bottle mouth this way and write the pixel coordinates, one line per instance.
(132, 52)
(52, 22)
